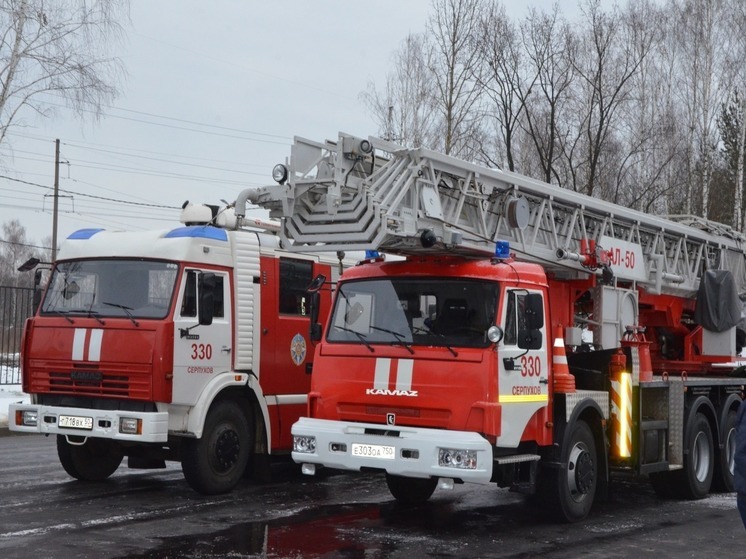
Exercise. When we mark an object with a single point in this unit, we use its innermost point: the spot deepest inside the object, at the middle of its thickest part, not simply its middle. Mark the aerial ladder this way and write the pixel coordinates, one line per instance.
(372, 194)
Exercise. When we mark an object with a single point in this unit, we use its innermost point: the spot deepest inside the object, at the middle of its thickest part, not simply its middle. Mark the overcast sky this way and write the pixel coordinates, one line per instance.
(214, 94)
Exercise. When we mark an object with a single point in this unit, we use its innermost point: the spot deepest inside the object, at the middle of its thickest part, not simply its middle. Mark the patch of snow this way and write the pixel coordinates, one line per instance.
(10, 394)
(10, 388)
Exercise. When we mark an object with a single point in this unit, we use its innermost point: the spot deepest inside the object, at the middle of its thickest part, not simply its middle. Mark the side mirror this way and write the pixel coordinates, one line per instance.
(314, 302)
(37, 290)
(206, 289)
(530, 339)
(534, 311)
(315, 328)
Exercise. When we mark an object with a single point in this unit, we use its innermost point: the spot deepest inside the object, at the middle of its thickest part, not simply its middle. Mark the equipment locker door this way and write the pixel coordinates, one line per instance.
(286, 349)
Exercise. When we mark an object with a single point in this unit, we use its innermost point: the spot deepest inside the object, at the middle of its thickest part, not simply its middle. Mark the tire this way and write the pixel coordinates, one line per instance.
(409, 490)
(699, 462)
(724, 468)
(95, 460)
(570, 490)
(215, 463)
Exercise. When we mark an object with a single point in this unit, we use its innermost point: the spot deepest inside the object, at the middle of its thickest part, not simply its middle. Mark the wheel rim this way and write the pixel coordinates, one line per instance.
(227, 449)
(730, 451)
(580, 475)
(701, 458)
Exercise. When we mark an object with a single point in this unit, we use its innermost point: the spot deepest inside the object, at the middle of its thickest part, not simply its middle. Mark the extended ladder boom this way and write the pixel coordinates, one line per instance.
(360, 194)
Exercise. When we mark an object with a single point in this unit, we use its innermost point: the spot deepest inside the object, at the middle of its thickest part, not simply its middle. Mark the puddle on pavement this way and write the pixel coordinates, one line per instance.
(354, 530)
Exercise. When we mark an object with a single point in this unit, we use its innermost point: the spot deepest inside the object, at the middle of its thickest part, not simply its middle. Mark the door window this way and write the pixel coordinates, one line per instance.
(295, 277)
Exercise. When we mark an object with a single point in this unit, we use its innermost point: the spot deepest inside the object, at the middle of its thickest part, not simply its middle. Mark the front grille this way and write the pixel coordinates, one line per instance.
(106, 382)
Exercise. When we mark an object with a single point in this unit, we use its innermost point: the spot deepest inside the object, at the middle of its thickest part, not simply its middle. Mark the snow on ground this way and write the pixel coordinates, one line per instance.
(9, 393)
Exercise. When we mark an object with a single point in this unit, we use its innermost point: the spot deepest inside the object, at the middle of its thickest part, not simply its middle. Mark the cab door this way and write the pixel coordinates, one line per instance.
(201, 351)
(523, 363)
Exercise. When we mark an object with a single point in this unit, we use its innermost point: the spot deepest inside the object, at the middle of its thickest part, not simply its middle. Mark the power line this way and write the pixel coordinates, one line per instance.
(143, 204)
(176, 119)
(47, 159)
(120, 149)
(183, 128)
(161, 160)
(25, 245)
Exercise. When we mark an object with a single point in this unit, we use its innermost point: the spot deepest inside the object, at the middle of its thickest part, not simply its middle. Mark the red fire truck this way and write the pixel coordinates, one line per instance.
(187, 344)
(532, 337)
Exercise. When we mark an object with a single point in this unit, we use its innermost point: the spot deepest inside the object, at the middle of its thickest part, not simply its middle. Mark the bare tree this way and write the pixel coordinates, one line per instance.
(15, 249)
(405, 110)
(606, 63)
(60, 48)
(649, 142)
(452, 27)
(547, 47)
(702, 84)
(501, 79)
(735, 138)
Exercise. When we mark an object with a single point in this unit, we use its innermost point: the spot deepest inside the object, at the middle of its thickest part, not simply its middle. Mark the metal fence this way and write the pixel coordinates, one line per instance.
(16, 305)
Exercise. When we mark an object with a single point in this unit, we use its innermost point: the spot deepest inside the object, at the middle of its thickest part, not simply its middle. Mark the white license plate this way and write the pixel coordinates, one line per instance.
(75, 422)
(373, 451)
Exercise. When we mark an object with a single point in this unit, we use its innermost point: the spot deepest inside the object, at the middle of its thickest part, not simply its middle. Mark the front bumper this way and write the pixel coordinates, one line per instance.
(415, 453)
(105, 423)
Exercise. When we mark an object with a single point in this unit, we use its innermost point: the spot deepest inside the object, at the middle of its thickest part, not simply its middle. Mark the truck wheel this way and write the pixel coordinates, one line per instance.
(723, 480)
(215, 463)
(571, 490)
(95, 460)
(699, 462)
(411, 490)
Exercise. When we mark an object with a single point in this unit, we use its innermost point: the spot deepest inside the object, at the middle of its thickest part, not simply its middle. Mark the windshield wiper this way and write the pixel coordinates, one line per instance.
(360, 336)
(95, 314)
(399, 338)
(419, 330)
(90, 313)
(63, 314)
(126, 309)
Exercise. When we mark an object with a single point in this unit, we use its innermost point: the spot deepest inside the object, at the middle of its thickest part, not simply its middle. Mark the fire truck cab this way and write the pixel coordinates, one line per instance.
(187, 344)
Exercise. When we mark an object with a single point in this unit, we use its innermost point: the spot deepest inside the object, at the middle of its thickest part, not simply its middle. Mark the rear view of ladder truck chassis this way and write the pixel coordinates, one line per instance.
(530, 336)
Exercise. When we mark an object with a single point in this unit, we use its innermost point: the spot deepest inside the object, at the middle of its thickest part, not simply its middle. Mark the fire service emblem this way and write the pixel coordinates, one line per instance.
(298, 349)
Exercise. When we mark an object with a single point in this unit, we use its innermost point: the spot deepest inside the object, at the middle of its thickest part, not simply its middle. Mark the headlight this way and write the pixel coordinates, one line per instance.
(457, 458)
(280, 173)
(130, 426)
(29, 418)
(495, 334)
(304, 444)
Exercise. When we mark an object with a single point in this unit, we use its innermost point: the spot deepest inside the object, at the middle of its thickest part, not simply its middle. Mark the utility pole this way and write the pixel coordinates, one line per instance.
(56, 197)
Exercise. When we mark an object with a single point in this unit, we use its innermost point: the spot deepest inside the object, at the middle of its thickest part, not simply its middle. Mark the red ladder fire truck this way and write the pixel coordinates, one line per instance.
(532, 337)
(187, 344)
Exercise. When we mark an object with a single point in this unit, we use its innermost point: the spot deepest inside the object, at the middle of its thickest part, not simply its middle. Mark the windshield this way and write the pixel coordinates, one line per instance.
(444, 312)
(111, 288)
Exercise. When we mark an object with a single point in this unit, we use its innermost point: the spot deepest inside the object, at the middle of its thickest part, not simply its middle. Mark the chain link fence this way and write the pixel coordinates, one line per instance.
(16, 305)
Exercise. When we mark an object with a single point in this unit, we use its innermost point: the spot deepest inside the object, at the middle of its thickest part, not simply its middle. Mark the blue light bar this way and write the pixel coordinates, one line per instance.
(502, 249)
(198, 231)
(84, 233)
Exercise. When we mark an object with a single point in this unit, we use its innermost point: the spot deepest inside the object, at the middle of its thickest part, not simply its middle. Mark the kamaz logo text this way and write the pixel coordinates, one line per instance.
(402, 371)
(387, 392)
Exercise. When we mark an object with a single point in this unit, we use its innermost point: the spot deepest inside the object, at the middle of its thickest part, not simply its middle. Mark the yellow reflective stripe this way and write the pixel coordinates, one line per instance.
(511, 399)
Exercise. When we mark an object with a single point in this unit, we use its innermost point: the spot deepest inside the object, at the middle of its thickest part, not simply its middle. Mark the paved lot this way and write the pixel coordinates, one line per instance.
(153, 514)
